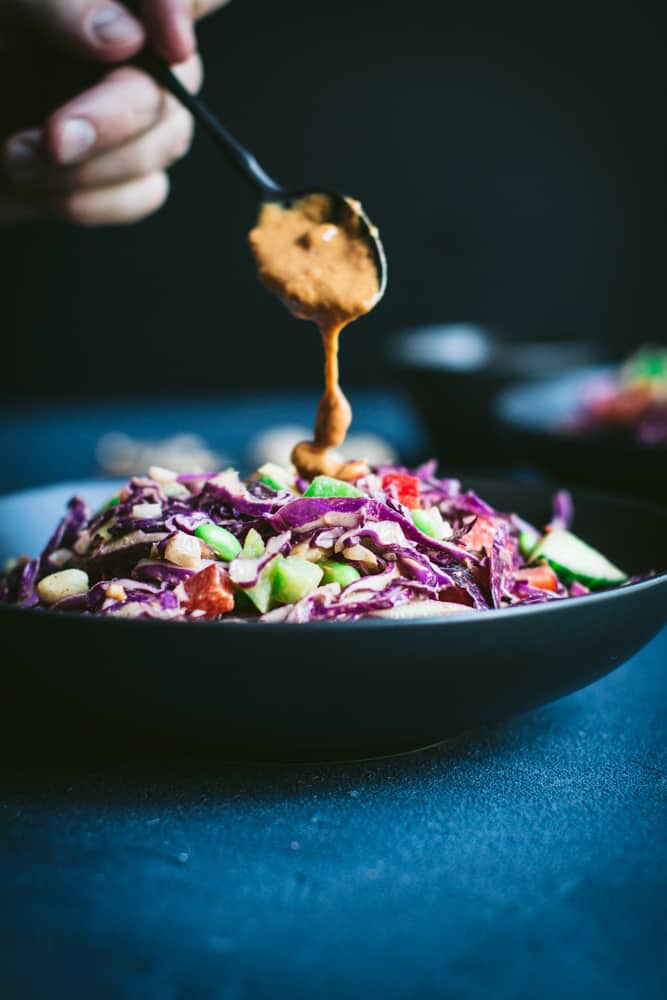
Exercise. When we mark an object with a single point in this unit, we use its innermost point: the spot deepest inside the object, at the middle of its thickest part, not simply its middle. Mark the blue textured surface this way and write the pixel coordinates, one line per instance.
(523, 860)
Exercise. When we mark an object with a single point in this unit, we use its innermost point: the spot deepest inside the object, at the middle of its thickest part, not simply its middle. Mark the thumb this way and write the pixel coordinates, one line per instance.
(95, 29)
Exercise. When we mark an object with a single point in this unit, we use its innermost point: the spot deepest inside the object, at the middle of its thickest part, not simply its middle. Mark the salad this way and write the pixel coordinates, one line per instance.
(632, 402)
(274, 547)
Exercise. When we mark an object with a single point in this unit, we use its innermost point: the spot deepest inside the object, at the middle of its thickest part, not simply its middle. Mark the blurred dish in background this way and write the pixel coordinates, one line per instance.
(119, 454)
(539, 425)
(628, 402)
(454, 372)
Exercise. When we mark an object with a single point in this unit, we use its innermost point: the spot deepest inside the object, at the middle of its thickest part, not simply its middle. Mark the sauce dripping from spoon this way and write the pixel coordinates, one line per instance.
(318, 254)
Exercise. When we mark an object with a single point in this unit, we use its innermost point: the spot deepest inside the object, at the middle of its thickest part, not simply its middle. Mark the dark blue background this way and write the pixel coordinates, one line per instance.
(524, 860)
(511, 154)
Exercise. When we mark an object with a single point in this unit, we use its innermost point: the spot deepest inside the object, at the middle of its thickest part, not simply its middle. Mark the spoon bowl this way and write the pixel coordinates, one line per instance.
(344, 211)
(343, 208)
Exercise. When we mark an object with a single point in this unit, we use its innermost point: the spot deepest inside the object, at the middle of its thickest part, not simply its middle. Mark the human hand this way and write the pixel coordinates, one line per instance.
(102, 157)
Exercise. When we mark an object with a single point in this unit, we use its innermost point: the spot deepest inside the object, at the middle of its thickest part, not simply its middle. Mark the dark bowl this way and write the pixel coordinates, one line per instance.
(452, 374)
(119, 690)
(531, 419)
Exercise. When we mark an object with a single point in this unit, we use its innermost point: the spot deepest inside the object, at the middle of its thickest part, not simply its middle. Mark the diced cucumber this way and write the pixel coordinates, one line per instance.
(261, 593)
(223, 543)
(295, 578)
(275, 476)
(528, 539)
(431, 523)
(327, 486)
(339, 572)
(253, 545)
(572, 559)
(241, 601)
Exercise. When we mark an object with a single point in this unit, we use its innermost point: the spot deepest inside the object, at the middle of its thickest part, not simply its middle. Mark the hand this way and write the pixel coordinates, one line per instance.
(102, 157)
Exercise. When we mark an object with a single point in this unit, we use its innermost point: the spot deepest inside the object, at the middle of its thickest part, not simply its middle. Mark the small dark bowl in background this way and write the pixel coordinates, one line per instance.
(452, 374)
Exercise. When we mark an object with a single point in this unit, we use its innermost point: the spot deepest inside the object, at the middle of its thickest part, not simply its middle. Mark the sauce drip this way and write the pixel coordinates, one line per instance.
(318, 260)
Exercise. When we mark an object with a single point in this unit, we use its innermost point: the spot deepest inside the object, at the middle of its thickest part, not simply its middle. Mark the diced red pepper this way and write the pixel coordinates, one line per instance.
(403, 488)
(210, 591)
(481, 534)
(541, 576)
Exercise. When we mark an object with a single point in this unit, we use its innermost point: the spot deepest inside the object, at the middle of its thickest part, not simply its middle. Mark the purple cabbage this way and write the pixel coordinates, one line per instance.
(563, 510)
(128, 574)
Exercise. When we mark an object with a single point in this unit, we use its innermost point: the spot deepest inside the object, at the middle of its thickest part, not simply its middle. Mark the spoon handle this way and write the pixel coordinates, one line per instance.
(239, 157)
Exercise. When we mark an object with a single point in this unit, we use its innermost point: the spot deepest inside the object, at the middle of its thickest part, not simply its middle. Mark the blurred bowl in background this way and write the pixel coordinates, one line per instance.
(533, 423)
(453, 372)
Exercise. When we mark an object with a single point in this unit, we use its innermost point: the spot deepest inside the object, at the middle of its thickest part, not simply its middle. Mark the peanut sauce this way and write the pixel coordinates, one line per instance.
(323, 271)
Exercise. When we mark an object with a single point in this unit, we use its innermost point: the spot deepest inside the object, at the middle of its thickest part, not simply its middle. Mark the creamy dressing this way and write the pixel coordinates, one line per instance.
(324, 270)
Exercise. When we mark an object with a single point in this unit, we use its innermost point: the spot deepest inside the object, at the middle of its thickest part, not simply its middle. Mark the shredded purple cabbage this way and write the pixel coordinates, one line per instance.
(142, 556)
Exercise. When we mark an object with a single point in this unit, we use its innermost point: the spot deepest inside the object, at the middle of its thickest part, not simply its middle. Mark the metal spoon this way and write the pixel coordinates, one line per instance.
(247, 165)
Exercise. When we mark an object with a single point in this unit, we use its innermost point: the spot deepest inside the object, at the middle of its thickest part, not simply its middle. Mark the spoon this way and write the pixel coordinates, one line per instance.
(246, 164)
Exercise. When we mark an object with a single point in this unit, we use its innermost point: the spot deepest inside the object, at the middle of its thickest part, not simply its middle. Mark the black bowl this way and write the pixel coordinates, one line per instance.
(531, 419)
(452, 374)
(120, 689)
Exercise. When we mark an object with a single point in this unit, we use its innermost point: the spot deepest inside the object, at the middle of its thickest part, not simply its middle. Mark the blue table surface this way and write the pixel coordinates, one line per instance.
(524, 860)
(528, 859)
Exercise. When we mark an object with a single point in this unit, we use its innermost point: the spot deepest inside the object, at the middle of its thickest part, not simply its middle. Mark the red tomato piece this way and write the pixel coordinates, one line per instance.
(403, 487)
(541, 576)
(210, 591)
(481, 534)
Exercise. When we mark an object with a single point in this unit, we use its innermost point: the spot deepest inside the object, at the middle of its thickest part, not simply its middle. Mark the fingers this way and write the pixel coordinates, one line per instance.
(200, 8)
(113, 205)
(169, 25)
(133, 131)
(125, 104)
(151, 151)
(101, 206)
(95, 29)
(108, 31)
(99, 155)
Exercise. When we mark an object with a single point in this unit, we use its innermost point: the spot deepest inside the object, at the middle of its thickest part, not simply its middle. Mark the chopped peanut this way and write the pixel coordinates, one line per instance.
(161, 475)
(183, 550)
(64, 583)
(146, 511)
(115, 592)
(359, 553)
(307, 551)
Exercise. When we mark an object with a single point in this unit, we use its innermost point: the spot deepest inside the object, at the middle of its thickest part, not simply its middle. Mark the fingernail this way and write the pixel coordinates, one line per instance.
(21, 155)
(77, 136)
(112, 24)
